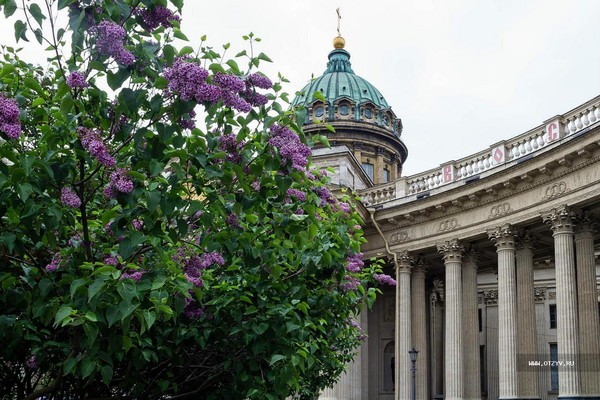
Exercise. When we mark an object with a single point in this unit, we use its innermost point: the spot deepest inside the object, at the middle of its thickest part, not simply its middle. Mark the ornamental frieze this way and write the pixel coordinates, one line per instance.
(555, 190)
(540, 294)
(399, 237)
(448, 225)
(500, 210)
(490, 297)
(551, 295)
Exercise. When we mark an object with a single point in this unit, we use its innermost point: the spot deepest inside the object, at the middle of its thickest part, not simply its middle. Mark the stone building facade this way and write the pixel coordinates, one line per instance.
(496, 255)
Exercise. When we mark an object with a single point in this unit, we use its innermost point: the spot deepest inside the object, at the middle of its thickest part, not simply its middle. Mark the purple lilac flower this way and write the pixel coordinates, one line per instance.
(355, 262)
(9, 117)
(75, 240)
(299, 211)
(207, 93)
(187, 79)
(194, 280)
(69, 198)
(228, 82)
(385, 279)
(255, 185)
(232, 100)
(232, 221)
(32, 362)
(188, 122)
(192, 309)
(355, 325)
(211, 258)
(255, 99)
(54, 264)
(76, 81)
(229, 144)
(109, 191)
(290, 147)
(92, 142)
(121, 181)
(111, 260)
(351, 283)
(110, 42)
(260, 81)
(138, 225)
(135, 275)
(325, 195)
(157, 16)
(298, 194)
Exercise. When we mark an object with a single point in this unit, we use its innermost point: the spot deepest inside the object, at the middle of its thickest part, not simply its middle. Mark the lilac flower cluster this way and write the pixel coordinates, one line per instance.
(385, 279)
(192, 309)
(325, 195)
(290, 147)
(69, 198)
(54, 264)
(188, 122)
(138, 225)
(157, 16)
(259, 81)
(229, 144)
(111, 260)
(298, 194)
(109, 42)
(189, 80)
(355, 262)
(344, 207)
(92, 142)
(193, 264)
(355, 325)
(136, 275)
(76, 81)
(232, 221)
(119, 182)
(351, 283)
(9, 117)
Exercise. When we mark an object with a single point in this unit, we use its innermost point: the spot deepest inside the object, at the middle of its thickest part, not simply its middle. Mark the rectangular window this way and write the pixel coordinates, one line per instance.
(554, 367)
(482, 370)
(480, 320)
(368, 168)
(552, 312)
(386, 176)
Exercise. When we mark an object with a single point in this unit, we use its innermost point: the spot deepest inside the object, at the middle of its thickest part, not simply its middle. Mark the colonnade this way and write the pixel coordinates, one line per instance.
(578, 324)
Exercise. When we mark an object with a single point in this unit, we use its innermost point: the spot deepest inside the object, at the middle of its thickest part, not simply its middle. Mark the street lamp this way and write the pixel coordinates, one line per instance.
(413, 359)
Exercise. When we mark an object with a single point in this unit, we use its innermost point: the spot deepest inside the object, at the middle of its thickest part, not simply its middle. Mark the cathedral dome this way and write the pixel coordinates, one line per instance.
(340, 94)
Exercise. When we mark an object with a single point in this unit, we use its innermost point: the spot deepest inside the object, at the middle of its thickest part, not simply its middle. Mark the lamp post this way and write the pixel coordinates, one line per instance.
(413, 359)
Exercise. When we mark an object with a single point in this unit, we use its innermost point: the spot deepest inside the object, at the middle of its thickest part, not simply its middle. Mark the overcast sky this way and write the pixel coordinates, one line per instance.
(462, 74)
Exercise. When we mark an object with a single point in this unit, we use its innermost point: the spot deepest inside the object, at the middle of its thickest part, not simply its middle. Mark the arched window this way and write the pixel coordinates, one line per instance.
(389, 367)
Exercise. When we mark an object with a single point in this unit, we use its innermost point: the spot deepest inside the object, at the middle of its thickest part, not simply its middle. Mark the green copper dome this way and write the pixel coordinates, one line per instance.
(347, 96)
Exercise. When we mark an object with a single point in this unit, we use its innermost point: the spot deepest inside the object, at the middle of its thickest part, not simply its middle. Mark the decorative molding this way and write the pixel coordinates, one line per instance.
(503, 237)
(500, 210)
(557, 189)
(551, 295)
(451, 250)
(448, 225)
(399, 237)
(540, 294)
(560, 219)
(490, 297)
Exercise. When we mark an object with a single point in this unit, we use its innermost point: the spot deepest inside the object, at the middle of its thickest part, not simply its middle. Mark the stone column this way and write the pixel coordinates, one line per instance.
(403, 327)
(503, 238)
(526, 330)
(453, 357)
(379, 166)
(472, 384)
(587, 296)
(419, 329)
(490, 298)
(561, 222)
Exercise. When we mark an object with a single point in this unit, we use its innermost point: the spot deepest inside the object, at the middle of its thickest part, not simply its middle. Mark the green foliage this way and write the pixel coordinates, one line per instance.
(120, 316)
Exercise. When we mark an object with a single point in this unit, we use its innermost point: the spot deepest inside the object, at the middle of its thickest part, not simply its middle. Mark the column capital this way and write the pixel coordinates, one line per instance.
(451, 250)
(560, 219)
(420, 267)
(405, 261)
(471, 257)
(503, 237)
(524, 241)
(586, 225)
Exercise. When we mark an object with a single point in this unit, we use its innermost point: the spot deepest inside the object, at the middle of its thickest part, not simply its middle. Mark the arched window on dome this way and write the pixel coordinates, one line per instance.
(318, 111)
(344, 109)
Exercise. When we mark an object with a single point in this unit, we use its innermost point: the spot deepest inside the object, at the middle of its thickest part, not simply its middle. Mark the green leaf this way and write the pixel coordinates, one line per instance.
(116, 80)
(94, 288)
(76, 284)
(63, 312)
(150, 317)
(37, 102)
(91, 316)
(87, 367)
(10, 6)
(20, 30)
(275, 358)
(36, 13)
(107, 374)
(264, 57)
(24, 191)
